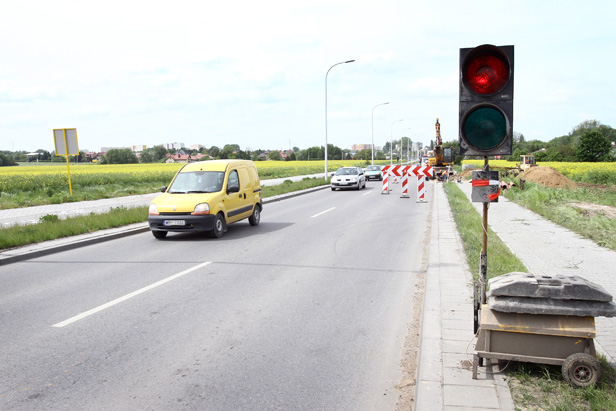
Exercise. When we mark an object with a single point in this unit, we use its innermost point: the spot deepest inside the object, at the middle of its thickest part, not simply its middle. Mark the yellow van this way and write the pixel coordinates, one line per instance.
(206, 196)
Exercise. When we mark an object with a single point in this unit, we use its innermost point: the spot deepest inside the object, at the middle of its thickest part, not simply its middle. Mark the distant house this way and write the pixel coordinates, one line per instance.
(201, 157)
(93, 157)
(186, 158)
(178, 158)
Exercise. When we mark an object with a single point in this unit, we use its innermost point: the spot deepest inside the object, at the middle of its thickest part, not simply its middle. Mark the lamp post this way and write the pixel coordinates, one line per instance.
(391, 144)
(382, 104)
(342, 62)
(408, 148)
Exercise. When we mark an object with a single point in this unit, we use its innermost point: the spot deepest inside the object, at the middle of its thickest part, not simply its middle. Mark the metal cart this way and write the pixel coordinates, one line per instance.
(545, 319)
(545, 339)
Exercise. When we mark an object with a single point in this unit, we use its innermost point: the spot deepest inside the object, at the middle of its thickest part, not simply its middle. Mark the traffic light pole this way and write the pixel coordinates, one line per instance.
(483, 258)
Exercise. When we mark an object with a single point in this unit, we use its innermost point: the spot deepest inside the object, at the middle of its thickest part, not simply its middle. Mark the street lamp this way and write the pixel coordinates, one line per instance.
(382, 104)
(391, 144)
(408, 148)
(342, 62)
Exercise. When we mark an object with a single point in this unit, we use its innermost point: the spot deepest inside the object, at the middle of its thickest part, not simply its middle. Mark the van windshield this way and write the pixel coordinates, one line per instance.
(197, 182)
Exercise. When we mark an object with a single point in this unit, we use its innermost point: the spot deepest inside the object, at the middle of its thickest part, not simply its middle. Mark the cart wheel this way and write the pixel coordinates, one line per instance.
(581, 370)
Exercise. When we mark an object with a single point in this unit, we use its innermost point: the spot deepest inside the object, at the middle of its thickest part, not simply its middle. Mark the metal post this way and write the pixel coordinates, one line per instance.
(70, 187)
(342, 62)
(373, 129)
(483, 259)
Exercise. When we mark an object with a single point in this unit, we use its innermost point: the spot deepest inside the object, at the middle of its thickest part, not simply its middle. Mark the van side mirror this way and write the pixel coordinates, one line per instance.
(163, 189)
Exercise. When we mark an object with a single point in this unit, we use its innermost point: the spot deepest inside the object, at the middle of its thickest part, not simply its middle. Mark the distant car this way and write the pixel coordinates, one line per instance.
(374, 173)
(348, 177)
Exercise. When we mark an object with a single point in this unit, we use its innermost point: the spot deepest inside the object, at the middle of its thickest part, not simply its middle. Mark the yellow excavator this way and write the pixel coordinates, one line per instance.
(442, 162)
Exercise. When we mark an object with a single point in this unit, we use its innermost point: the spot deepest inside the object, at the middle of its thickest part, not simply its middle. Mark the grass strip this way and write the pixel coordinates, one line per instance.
(533, 387)
(470, 226)
(52, 228)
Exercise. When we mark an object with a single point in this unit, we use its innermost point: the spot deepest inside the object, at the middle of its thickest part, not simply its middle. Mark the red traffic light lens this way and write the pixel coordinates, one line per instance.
(486, 71)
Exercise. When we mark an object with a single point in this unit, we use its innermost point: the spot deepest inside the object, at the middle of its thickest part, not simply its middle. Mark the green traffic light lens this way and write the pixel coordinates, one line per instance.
(485, 128)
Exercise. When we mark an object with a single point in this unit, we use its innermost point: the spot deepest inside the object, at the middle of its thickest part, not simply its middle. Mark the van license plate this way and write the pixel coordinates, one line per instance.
(173, 222)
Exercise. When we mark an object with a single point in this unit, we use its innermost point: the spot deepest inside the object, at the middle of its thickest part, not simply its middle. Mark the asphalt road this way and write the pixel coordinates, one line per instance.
(307, 311)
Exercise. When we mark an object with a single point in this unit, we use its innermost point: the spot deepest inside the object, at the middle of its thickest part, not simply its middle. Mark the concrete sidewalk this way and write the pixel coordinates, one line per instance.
(444, 377)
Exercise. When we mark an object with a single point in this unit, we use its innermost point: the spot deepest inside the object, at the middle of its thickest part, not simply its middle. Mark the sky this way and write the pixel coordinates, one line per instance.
(255, 73)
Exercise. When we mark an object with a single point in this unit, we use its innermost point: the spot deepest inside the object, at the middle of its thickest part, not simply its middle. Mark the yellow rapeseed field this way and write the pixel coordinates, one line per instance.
(26, 178)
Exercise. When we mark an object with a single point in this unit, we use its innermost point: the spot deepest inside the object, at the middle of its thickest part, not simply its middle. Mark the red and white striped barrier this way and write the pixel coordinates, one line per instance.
(405, 181)
(405, 171)
(421, 189)
(385, 171)
(405, 186)
(422, 172)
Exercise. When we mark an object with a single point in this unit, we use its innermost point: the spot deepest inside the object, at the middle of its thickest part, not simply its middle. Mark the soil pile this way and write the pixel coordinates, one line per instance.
(465, 174)
(547, 176)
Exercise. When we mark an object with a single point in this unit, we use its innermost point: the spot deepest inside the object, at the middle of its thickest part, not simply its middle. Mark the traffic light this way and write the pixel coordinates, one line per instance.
(486, 101)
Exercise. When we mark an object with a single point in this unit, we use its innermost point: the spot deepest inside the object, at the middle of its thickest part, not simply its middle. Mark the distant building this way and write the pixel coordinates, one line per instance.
(173, 146)
(360, 147)
(139, 149)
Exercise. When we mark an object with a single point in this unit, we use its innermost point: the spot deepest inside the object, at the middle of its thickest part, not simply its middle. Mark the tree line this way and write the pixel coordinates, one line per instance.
(589, 141)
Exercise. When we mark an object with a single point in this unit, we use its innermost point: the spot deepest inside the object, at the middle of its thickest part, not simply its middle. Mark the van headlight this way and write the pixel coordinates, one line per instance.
(153, 210)
(200, 209)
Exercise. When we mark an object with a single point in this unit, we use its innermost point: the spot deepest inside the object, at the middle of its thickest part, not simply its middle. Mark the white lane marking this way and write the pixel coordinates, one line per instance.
(322, 212)
(367, 192)
(127, 296)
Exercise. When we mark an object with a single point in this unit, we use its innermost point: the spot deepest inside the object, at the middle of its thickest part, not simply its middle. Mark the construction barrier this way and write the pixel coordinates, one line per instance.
(421, 189)
(405, 171)
(385, 171)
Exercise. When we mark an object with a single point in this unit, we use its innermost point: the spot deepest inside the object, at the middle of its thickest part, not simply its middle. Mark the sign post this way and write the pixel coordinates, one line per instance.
(65, 140)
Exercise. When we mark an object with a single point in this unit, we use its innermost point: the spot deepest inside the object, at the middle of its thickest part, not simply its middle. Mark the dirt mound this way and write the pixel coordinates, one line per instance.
(466, 174)
(591, 209)
(547, 176)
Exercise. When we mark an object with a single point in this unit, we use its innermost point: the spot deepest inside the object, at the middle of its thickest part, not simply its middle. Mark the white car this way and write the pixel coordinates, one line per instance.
(348, 177)
(374, 172)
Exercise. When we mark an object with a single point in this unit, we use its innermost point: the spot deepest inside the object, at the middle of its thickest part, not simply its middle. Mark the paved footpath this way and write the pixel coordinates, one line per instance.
(444, 375)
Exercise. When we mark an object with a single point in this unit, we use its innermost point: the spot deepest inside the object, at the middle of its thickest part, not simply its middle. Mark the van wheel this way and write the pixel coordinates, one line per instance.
(219, 226)
(255, 218)
(159, 234)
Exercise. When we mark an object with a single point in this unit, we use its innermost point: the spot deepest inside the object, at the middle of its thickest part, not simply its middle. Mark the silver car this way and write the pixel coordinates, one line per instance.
(349, 177)
(374, 172)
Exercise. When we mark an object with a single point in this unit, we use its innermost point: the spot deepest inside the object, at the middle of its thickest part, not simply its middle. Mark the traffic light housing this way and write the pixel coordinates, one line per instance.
(486, 101)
